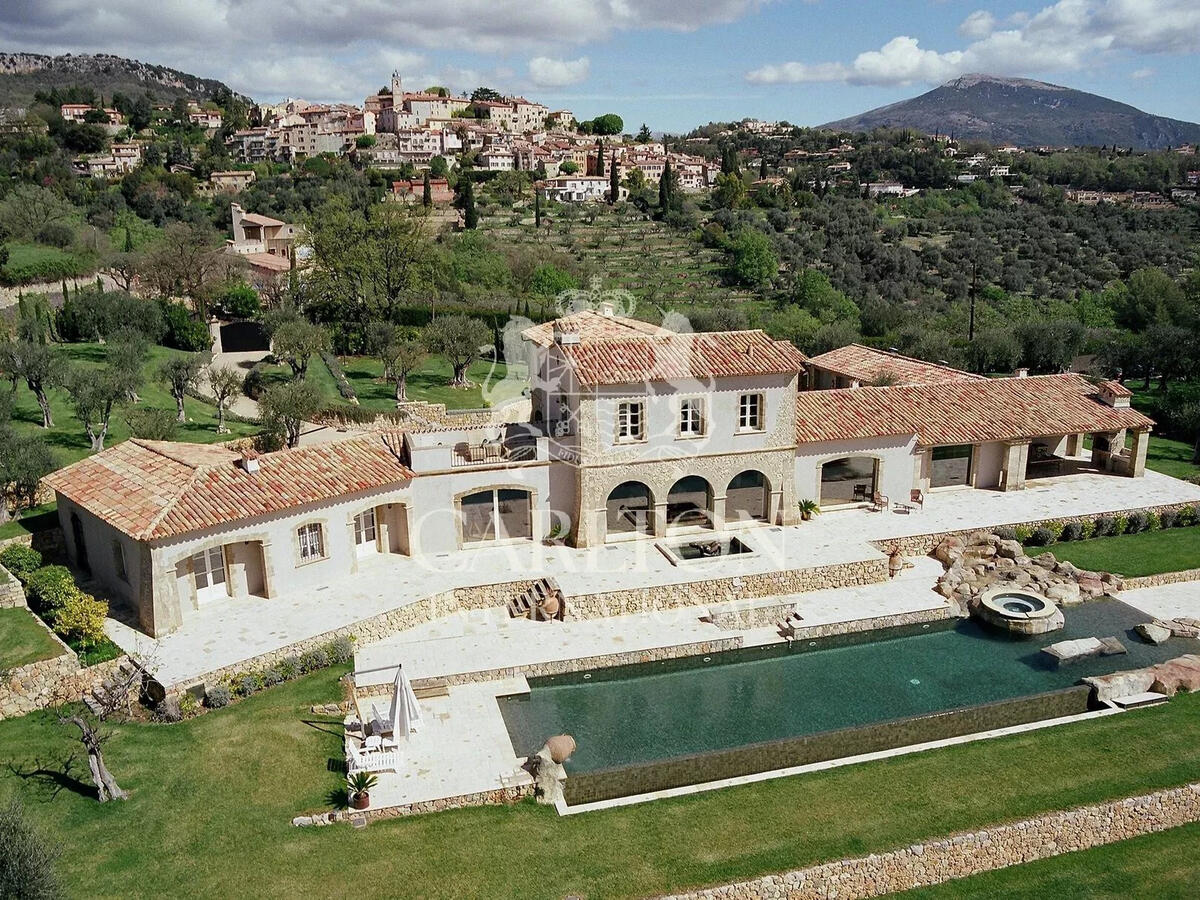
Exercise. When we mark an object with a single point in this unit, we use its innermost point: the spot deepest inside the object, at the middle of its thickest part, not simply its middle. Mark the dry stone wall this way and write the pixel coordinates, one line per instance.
(1145, 581)
(962, 855)
(48, 682)
(11, 592)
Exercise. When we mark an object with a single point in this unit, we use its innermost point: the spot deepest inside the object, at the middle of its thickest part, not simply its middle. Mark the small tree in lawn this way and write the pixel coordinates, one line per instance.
(296, 341)
(286, 407)
(24, 460)
(27, 858)
(224, 384)
(181, 373)
(40, 366)
(96, 392)
(458, 338)
(1189, 421)
(399, 350)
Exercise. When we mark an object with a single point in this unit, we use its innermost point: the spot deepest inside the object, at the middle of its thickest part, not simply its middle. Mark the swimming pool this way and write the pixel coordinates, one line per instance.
(658, 711)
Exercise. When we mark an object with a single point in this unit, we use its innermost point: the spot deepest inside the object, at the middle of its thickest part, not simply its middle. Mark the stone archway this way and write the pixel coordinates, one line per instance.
(748, 497)
(630, 509)
(690, 502)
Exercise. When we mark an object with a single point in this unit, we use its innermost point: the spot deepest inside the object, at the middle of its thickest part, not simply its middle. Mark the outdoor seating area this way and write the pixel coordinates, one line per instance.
(374, 740)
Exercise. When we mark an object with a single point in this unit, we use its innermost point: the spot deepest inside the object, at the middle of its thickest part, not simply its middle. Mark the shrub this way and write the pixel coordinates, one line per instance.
(151, 424)
(1187, 516)
(289, 667)
(49, 588)
(1055, 528)
(26, 858)
(247, 683)
(20, 560)
(314, 660)
(1071, 531)
(1006, 533)
(217, 697)
(1168, 518)
(272, 677)
(340, 650)
(1087, 528)
(255, 382)
(1103, 526)
(1022, 533)
(80, 620)
(1153, 521)
(1042, 537)
(56, 234)
(1138, 521)
(189, 706)
(1120, 524)
(183, 331)
(168, 711)
(339, 376)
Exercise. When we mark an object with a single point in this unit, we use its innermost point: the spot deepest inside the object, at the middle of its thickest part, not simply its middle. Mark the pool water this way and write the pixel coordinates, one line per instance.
(662, 710)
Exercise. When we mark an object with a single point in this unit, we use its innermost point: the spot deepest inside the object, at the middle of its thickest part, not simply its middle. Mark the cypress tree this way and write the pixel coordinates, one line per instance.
(470, 214)
(537, 208)
(664, 188)
(426, 192)
(762, 168)
(128, 239)
(614, 180)
(599, 158)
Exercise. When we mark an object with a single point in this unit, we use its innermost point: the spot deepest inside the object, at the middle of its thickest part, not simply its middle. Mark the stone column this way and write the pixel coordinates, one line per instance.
(1074, 444)
(718, 513)
(1137, 453)
(660, 519)
(1012, 469)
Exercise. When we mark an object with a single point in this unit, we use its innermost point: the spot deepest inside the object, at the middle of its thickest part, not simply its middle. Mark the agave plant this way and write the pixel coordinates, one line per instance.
(361, 782)
(808, 509)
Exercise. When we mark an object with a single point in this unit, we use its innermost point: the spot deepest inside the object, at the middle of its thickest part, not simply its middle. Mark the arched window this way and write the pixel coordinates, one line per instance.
(747, 497)
(689, 502)
(630, 509)
(850, 479)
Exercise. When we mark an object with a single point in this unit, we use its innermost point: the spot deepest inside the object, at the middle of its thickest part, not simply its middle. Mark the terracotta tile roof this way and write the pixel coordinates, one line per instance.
(865, 364)
(589, 324)
(156, 489)
(256, 219)
(272, 261)
(1116, 388)
(962, 412)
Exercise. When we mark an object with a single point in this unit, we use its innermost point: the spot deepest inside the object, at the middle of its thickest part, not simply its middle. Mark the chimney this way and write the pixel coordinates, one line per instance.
(1021, 373)
(564, 335)
(606, 309)
(249, 461)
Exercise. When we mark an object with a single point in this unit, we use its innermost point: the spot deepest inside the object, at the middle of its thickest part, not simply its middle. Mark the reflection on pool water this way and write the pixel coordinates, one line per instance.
(1021, 604)
(673, 708)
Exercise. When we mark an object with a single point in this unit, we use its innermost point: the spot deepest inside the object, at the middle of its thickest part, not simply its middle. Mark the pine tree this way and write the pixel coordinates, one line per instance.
(614, 180)
(426, 192)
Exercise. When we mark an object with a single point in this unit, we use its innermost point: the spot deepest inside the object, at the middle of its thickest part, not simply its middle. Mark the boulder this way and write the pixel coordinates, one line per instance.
(1090, 584)
(1183, 627)
(1111, 646)
(1010, 550)
(1153, 632)
(1075, 650)
(1045, 560)
(980, 551)
(1067, 568)
(948, 550)
(1064, 593)
(1120, 684)
(1181, 674)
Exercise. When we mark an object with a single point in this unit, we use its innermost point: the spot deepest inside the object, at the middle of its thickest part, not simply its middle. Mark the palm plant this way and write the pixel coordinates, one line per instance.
(808, 509)
(361, 783)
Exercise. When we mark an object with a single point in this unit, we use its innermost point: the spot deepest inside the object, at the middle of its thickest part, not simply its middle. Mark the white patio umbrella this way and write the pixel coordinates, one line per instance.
(406, 712)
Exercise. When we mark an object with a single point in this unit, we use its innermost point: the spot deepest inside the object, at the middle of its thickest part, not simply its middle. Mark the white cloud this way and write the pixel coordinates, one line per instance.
(547, 72)
(1070, 34)
(978, 24)
(1139, 74)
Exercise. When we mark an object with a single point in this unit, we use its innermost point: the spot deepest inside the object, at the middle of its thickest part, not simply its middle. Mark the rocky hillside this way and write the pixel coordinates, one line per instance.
(22, 74)
(1026, 113)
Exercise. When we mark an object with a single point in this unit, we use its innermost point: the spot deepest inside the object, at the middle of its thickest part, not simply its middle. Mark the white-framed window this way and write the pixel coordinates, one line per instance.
(750, 412)
(691, 417)
(364, 527)
(631, 420)
(312, 541)
(208, 567)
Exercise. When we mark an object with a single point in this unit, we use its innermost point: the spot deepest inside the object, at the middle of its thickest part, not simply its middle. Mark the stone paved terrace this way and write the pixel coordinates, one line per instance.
(227, 632)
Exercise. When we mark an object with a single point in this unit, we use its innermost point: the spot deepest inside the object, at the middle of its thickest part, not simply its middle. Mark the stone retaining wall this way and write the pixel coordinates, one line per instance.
(11, 592)
(923, 544)
(916, 617)
(1145, 581)
(970, 853)
(565, 666)
(496, 797)
(744, 614)
(725, 590)
(50, 543)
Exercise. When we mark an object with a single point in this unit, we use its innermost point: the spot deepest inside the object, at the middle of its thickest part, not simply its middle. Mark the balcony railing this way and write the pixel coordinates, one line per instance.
(493, 453)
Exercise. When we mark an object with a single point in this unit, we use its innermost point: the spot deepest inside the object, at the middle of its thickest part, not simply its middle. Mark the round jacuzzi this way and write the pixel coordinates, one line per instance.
(1023, 612)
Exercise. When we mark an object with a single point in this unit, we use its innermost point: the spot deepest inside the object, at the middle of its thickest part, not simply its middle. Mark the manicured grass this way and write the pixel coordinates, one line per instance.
(23, 640)
(212, 799)
(68, 438)
(31, 521)
(1170, 457)
(430, 382)
(1145, 553)
(36, 262)
(1162, 865)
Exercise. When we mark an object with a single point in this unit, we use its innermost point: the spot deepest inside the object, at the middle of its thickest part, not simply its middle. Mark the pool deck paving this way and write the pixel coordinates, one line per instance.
(226, 632)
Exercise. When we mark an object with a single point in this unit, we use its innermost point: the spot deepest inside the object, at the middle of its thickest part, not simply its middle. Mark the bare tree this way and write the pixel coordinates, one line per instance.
(224, 384)
(113, 700)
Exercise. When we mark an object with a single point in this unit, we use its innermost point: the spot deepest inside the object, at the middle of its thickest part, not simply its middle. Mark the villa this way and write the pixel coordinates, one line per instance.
(635, 433)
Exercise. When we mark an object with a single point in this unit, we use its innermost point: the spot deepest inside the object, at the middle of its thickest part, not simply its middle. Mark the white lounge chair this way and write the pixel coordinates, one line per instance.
(371, 761)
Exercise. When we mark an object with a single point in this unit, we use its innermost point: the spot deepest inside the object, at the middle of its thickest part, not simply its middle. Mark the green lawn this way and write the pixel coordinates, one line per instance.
(1145, 553)
(430, 382)
(31, 521)
(1170, 457)
(36, 262)
(212, 799)
(68, 438)
(23, 640)
(1159, 865)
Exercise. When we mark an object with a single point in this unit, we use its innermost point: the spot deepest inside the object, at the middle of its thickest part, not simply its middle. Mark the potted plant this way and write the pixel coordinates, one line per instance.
(359, 786)
(808, 509)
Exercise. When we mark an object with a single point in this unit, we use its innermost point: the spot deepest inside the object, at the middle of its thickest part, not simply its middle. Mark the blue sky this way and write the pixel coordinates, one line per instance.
(671, 63)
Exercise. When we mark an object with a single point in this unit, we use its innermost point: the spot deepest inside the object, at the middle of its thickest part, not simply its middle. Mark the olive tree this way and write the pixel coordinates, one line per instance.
(459, 339)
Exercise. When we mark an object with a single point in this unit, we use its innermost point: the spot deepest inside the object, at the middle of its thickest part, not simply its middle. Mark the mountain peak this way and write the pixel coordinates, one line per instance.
(1027, 113)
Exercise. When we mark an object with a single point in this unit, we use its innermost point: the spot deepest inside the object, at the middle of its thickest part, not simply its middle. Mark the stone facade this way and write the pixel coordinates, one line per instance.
(916, 617)
(1145, 581)
(970, 853)
(725, 590)
(496, 797)
(48, 682)
(11, 592)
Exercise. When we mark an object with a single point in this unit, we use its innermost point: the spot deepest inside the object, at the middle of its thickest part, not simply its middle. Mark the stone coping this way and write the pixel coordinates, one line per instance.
(970, 853)
(1145, 581)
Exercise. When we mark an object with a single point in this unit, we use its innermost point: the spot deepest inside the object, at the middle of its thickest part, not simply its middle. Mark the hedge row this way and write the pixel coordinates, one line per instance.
(339, 376)
(1100, 526)
(75, 616)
